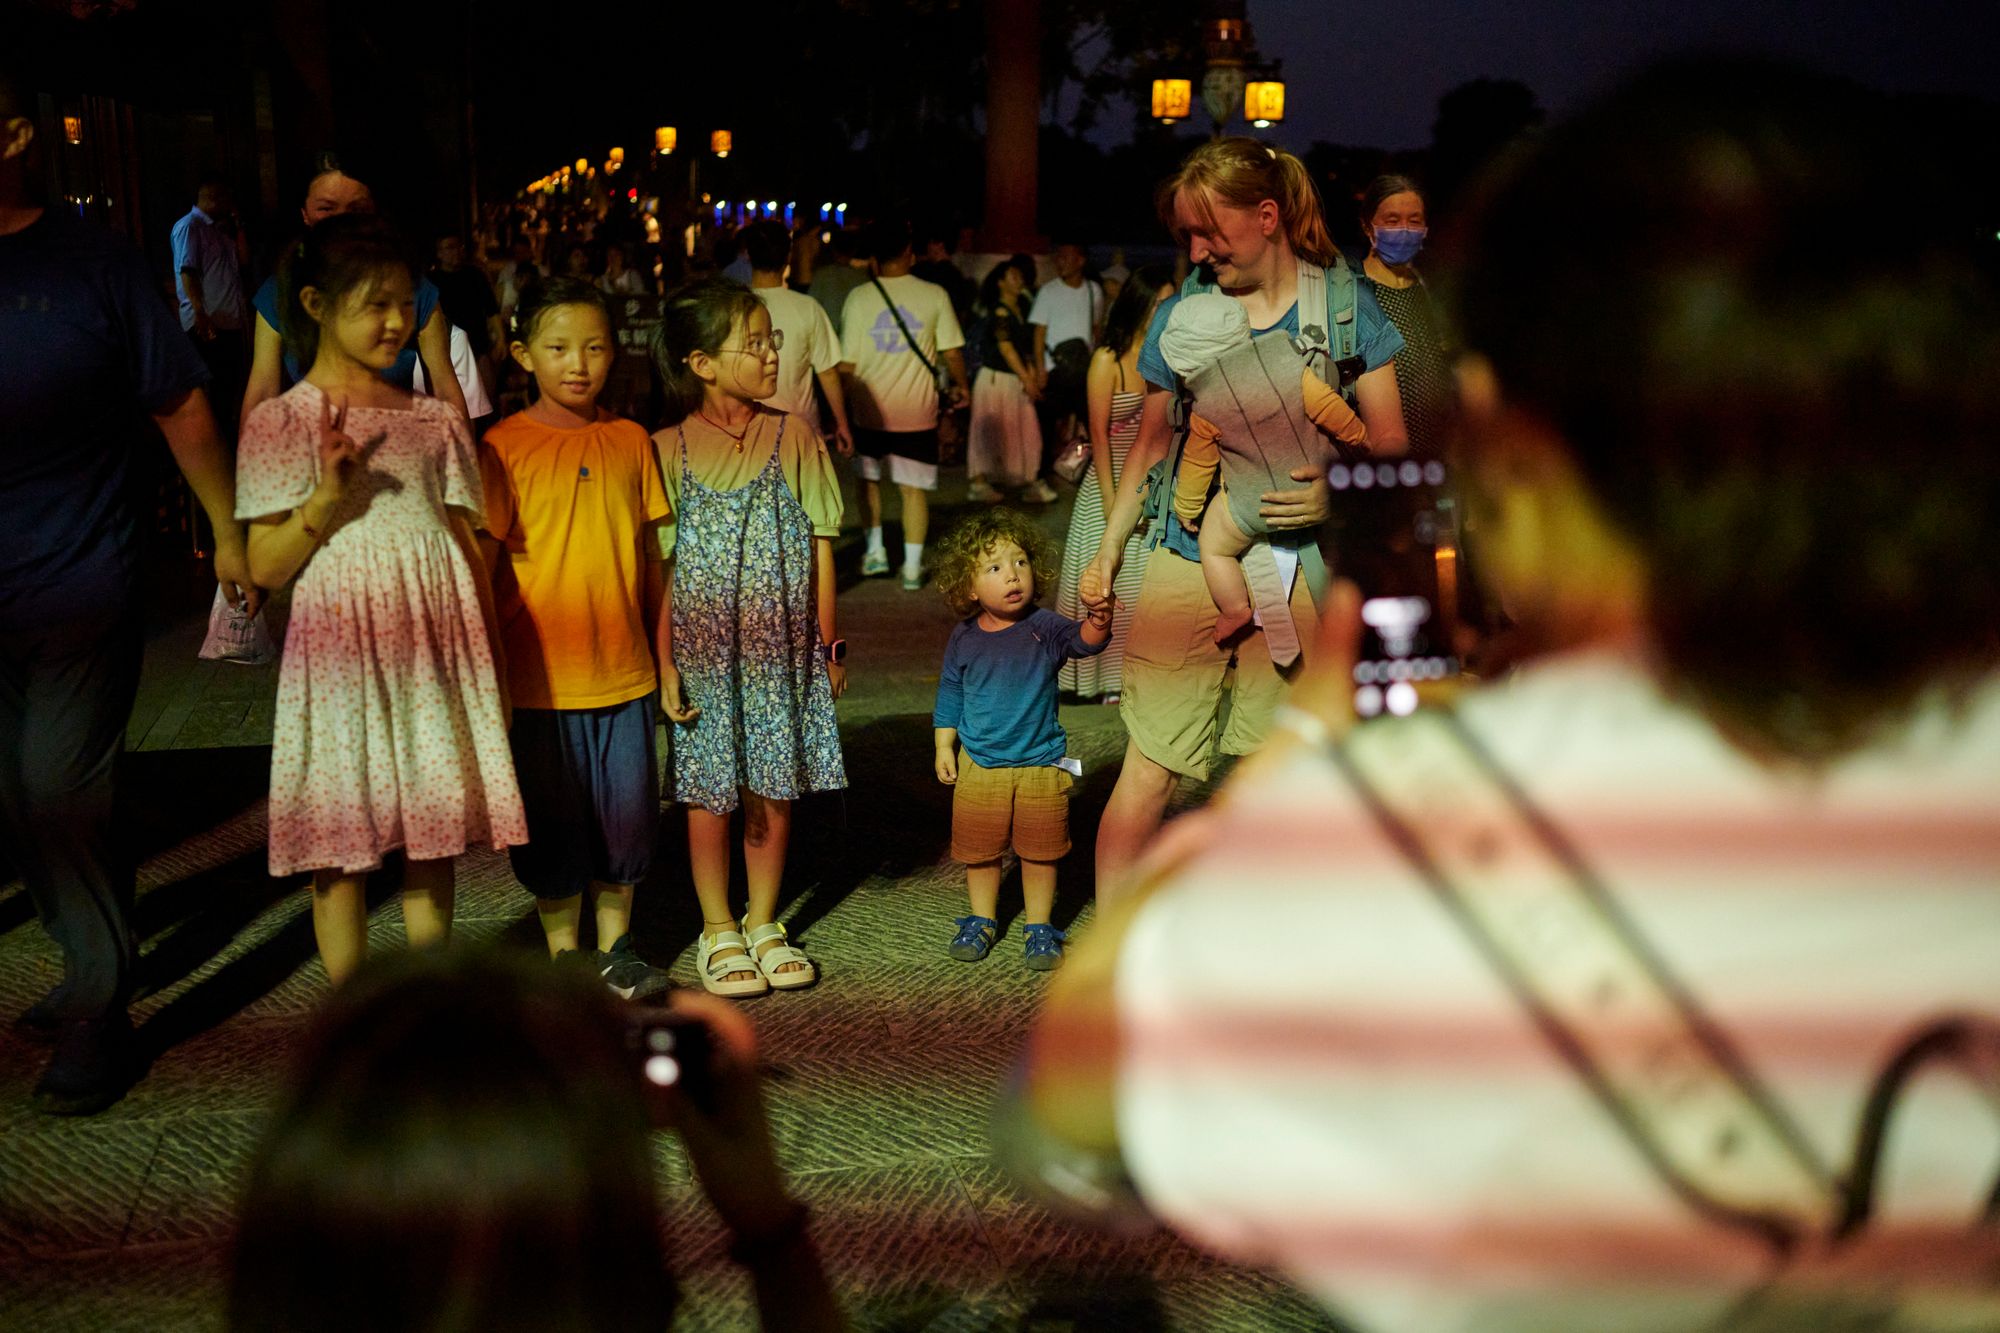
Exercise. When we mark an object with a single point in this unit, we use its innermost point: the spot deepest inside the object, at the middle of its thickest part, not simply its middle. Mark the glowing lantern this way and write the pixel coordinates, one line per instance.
(73, 129)
(582, 165)
(1264, 103)
(1172, 99)
(665, 139)
(720, 143)
(618, 156)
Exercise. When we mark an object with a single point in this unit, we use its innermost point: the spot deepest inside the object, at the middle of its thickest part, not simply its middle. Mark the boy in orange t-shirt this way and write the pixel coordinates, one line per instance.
(573, 501)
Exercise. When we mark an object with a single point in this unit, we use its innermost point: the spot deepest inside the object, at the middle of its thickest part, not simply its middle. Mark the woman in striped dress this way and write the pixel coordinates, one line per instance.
(1115, 395)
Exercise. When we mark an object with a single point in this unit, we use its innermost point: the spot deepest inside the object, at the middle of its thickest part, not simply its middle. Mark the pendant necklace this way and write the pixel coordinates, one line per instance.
(735, 435)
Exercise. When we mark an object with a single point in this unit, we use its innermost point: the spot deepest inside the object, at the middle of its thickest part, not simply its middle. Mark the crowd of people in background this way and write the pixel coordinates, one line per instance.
(509, 567)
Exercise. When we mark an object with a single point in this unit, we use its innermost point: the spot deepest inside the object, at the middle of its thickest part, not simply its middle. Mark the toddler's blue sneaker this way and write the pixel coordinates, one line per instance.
(1044, 948)
(974, 939)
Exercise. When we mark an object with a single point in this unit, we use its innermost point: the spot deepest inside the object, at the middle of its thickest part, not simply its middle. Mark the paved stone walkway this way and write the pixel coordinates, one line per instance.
(881, 1078)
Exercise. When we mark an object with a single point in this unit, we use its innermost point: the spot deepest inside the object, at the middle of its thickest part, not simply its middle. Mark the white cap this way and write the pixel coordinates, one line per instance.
(1201, 328)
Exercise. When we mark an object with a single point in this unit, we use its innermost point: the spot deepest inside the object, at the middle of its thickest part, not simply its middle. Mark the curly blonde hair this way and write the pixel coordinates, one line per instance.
(958, 555)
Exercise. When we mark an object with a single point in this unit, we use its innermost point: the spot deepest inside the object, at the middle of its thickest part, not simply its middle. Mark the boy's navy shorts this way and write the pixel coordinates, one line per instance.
(591, 793)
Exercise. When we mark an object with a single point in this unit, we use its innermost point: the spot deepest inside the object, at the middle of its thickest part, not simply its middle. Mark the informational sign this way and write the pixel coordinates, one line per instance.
(630, 392)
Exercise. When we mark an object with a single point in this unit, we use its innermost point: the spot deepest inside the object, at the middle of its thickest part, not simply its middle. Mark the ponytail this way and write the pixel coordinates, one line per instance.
(1242, 173)
(1305, 219)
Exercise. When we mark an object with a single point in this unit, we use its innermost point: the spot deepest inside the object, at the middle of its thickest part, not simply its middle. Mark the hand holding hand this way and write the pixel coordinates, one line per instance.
(947, 767)
(958, 397)
(1094, 585)
(1307, 507)
(843, 442)
(673, 697)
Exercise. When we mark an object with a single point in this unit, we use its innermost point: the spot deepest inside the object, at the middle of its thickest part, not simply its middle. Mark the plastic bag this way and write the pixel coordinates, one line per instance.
(235, 637)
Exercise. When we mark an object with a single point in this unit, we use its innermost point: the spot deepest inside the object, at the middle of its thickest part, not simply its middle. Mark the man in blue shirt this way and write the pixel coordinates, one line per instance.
(88, 352)
(208, 276)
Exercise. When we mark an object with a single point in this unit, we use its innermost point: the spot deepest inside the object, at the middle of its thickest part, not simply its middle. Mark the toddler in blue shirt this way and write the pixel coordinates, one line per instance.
(999, 745)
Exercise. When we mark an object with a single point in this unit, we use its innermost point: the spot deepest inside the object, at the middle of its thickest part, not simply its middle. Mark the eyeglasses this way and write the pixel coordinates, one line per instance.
(760, 347)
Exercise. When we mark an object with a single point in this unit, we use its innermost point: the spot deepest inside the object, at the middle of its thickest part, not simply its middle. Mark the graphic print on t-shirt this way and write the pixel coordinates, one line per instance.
(888, 337)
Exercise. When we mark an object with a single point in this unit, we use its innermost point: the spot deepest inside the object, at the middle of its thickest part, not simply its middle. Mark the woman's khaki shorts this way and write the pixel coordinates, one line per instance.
(990, 804)
(1173, 670)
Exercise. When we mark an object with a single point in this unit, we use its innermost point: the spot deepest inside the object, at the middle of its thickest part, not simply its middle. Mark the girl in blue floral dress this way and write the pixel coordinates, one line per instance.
(755, 660)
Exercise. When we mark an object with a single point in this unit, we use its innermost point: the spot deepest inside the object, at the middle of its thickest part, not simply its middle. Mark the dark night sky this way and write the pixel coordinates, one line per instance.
(1371, 72)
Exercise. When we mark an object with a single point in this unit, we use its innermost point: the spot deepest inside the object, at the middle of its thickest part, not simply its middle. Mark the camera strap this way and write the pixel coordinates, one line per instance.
(1609, 1004)
(915, 350)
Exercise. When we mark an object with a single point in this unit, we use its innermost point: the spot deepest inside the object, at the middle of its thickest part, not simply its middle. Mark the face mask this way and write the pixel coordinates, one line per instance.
(1398, 245)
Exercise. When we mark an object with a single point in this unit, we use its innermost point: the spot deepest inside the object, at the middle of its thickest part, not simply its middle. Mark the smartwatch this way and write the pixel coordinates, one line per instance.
(835, 651)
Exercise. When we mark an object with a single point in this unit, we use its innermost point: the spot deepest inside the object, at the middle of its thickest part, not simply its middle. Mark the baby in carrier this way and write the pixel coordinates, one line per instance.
(1258, 413)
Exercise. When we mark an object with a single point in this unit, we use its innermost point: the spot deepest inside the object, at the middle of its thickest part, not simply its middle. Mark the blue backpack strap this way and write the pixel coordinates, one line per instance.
(1327, 324)
(1327, 339)
(1160, 477)
(1340, 308)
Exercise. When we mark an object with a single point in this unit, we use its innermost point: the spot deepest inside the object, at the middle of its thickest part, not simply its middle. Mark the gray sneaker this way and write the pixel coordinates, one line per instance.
(629, 976)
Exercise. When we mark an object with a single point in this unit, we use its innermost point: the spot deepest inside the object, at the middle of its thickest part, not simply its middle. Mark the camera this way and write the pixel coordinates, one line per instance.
(674, 1052)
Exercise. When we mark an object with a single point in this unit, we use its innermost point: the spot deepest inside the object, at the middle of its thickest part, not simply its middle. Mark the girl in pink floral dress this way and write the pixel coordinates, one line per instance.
(391, 730)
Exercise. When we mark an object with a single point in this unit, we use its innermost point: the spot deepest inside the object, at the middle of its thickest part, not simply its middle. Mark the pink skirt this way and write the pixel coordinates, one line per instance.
(1004, 444)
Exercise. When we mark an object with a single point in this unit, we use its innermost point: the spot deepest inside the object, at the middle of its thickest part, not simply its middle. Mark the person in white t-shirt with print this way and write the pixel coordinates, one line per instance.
(809, 350)
(892, 395)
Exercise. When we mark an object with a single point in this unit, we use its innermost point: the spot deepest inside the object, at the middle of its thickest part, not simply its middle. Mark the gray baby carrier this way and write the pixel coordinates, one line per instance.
(1329, 343)
(1252, 395)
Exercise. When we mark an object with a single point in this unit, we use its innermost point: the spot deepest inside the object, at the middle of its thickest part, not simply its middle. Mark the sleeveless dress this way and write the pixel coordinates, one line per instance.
(1094, 677)
(388, 731)
(747, 645)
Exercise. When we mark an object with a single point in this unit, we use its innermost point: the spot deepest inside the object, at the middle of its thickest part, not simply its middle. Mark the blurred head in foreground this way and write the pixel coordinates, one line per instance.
(1706, 416)
(464, 1147)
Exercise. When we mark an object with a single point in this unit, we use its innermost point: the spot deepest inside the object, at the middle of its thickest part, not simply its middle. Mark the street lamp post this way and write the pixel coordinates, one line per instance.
(1225, 39)
(1227, 85)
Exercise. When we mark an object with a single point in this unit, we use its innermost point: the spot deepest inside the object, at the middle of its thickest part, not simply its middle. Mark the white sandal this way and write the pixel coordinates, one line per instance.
(779, 955)
(714, 969)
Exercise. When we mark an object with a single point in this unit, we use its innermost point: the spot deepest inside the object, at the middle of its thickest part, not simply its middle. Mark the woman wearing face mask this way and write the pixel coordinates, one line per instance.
(1394, 220)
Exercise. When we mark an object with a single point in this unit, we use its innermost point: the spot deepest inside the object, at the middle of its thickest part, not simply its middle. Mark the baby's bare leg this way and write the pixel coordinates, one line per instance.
(1222, 546)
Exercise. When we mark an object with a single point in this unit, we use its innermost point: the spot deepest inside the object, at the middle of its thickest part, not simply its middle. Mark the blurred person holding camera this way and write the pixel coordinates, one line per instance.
(1626, 994)
(465, 1146)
